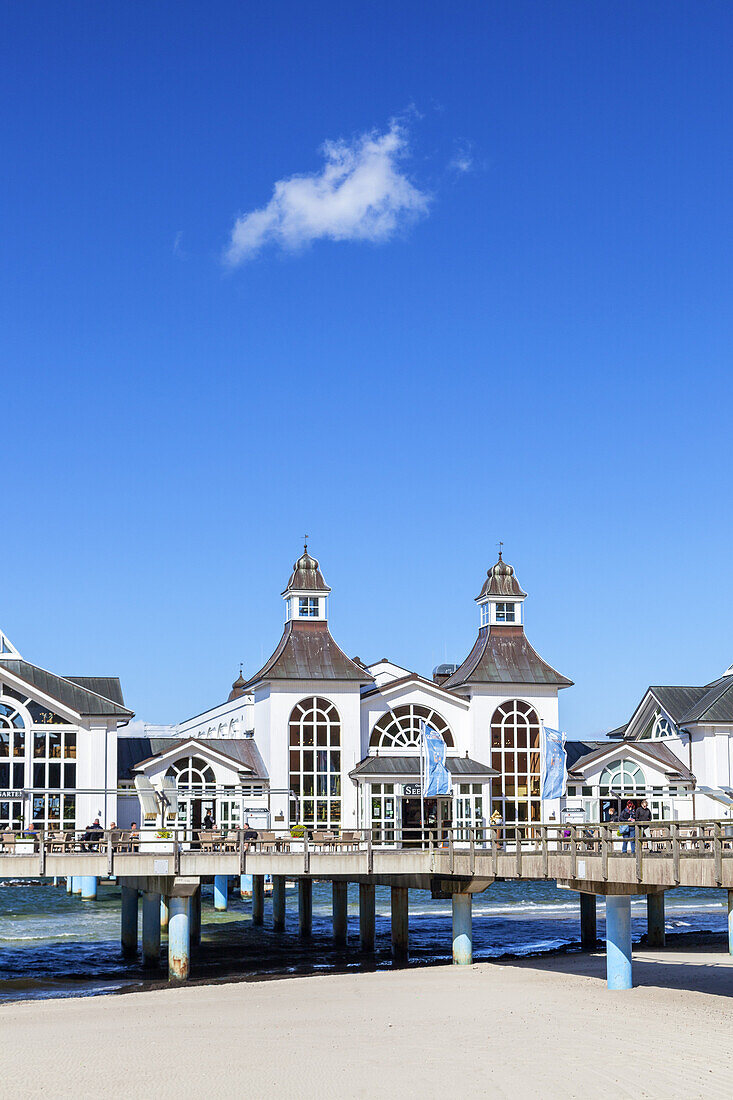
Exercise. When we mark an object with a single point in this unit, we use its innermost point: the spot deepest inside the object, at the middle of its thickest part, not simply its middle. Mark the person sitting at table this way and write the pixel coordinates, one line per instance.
(94, 832)
(249, 835)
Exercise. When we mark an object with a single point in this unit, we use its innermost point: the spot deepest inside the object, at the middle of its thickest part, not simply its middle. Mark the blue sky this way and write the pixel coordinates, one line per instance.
(514, 323)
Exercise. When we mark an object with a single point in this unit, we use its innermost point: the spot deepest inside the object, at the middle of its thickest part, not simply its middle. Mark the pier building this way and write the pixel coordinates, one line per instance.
(335, 743)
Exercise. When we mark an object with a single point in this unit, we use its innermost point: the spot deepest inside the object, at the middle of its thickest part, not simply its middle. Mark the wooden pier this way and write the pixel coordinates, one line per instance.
(450, 863)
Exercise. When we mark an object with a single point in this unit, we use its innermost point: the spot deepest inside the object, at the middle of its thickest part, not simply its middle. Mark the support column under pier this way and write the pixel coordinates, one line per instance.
(179, 939)
(588, 930)
(462, 930)
(305, 907)
(618, 941)
(278, 903)
(151, 929)
(196, 918)
(655, 934)
(163, 913)
(69, 884)
(730, 921)
(88, 886)
(245, 886)
(76, 884)
(128, 908)
(258, 899)
(366, 916)
(340, 895)
(221, 883)
(400, 934)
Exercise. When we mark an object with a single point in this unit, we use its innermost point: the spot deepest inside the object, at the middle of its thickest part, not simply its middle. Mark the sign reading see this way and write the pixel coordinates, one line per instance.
(412, 790)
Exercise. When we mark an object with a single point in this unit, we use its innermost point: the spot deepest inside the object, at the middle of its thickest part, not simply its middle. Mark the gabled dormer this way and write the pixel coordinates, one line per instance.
(306, 594)
(501, 599)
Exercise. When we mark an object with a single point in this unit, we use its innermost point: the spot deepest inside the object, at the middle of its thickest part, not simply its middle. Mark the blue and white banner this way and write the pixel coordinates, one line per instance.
(554, 770)
(436, 777)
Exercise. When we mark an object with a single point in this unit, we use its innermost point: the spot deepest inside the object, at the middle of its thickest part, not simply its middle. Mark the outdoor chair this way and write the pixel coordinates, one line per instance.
(267, 842)
(230, 841)
(206, 840)
(347, 840)
(8, 842)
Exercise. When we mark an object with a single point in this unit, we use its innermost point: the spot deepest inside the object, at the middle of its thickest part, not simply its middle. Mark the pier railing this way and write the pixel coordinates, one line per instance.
(674, 840)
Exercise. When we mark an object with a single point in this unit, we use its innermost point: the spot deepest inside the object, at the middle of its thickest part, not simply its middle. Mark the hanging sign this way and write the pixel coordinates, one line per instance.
(412, 790)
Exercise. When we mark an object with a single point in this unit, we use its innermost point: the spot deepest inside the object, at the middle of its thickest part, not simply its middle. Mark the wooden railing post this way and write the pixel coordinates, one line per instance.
(675, 836)
(306, 853)
(110, 855)
(176, 855)
(450, 851)
(42, 855)
(494, 850)
(638, 835)
(604, 852)
(545, 857)
(718, 853)
(472, 850)
(574, 851)
(370, 852)
(518, 852)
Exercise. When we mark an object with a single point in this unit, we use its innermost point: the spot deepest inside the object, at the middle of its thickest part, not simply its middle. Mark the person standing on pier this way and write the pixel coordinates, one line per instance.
(208, 822)
(628, 817)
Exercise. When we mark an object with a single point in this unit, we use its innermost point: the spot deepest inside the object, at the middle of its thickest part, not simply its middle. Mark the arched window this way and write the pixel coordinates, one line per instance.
(315, 764)
(623, 777)
(192, 773)
(515, 753)
(400, 728)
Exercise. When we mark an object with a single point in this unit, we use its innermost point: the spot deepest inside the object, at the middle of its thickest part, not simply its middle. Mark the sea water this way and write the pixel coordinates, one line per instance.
(54, 944)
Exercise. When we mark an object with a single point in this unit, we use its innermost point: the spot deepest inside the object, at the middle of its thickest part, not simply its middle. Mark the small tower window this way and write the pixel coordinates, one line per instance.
(505, 613)
(308, 607)
(485, 614)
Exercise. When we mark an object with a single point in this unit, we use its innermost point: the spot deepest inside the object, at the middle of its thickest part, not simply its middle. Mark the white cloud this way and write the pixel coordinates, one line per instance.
(463, 159)
(361, 194)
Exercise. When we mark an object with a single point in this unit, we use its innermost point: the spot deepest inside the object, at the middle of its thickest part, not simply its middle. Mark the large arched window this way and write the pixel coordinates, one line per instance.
(315, 764)
(515, 753)
(400, 728)
(192, 773)
(623, 777)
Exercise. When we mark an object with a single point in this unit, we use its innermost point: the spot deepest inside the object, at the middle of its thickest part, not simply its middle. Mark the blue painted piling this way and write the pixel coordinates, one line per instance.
(69, 884)
(76, 884)
(588, 931)
(367, 916)
(221, 884)
(163, 913)
(400, 933)
(179, 939)
(245, 886)
(618, 942)
(462, 930)
(730, 921)
(88, 886)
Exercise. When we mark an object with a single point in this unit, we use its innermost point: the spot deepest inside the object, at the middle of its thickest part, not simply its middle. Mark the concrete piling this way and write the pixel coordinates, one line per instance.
(69, 884)
(88, 886)
(163, 913)
(196, 918)
(588, 929)
(462, 930)
(367, 915)
(730, 921)
(128, 912)
(618, 942)
(278, 903)
(151, 929)
(340, 897)
(179, 939)
(655, 934)
(245, 886)
(305, 907)
(400, 933)
(221, 884)
(76, 884)
(258, 899)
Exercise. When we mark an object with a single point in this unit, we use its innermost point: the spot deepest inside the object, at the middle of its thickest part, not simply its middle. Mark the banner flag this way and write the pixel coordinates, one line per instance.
(437, 777)
(555, 762)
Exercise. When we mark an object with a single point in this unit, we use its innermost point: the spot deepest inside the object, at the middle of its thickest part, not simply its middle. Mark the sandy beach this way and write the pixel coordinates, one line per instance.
(542, 1027)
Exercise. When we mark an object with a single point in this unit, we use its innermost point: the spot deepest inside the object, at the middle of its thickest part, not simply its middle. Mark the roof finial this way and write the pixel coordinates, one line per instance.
(305, 543)
(500, 546)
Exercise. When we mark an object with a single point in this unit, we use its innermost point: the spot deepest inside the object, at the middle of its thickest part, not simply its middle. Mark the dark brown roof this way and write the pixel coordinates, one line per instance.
(306, 575)
(237, 688)
(500, 581)
(133, 752)
(308, 652)
(657, 750)
(458, 766)
(502, 655)
(87, 695)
